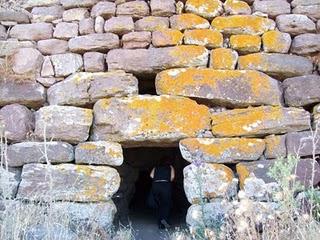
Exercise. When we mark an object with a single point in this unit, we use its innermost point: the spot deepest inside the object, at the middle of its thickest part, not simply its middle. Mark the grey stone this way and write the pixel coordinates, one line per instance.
(275, 146)
(136, 9)
(13, 16)
(68, 182)
(119, 25)
(295, 3)
(66, 64)
(75, 14)
(94, 62)
(83, 88)
(78, 3)
(70, 124)
(52, 46)
(9, 46)
(40, 3)
(100, 42)
(103, 9)
(303, 143)
(272, 8)
(3, 33)
(151, 24)
(47, 81)
(33, 31)
(39, 152)
(53, 232)
(305, 44)
(136, 40)
(316, 117)
(302, 91)
(99, 24)
(99, 153)
(10, 179)
(312, 11)
(163, 8)
(46, 14)
(18, 122)
(66, 30)
(86, 26)
(295, 24)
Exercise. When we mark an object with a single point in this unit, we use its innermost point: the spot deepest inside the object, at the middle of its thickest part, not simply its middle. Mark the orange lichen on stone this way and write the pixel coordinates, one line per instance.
(88, 146)
(276, 42)
(167, 37)
(223, 59)
(243, 172)
(204, 37)
(188, 21)
(245, 43)
(228, 172)
(245, 62)
(234, 7)
(185, 54)
(205, 8)
(243, 24)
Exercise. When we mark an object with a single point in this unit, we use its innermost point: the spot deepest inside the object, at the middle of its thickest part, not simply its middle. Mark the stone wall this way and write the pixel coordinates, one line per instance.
(237, 86)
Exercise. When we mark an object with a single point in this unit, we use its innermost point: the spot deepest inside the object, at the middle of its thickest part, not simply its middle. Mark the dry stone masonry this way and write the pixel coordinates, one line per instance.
(237, 86)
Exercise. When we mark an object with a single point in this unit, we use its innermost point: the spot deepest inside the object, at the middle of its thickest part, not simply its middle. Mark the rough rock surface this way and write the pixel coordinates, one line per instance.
(39, 152)
(203, 37)
(222, 87)
(68, 182)
(272, 8)
(32, 32)
(10, 180)
(223, 59)
(205, 8)
(307, 43)
(52, 46)
(222, 150)
(83, 88)
(188, 21)
(275, 146)
(27, 62)
(148, 119)
(303, 143)
(70, 124)
(276, 42)
(99, 153)
(151, 24)
(295, 24)
(66, 63)
(166, 38)
(259, 121)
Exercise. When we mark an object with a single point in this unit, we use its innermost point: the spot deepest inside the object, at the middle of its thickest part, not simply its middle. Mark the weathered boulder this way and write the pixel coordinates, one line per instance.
(77, 3)
(223, 59)
(166, 38)
(203, 37)
(164, 8)
(26, 61)
(94, 62)
(157, 120)
(52, 46)
(32, 32)
(68, 182)
(272, 8)
(188, 21)
(18, 122)
(151, 23)
(39, 152)
(119, 25)
(8, 15)
(303, 143)
(302, 91)
(296, 3)
(275, 146)
(276, 42)
(295, 24)
(136, 40)
(245, 44)
(222, 87)
(99, 153)
(83, 88)
(143, 61)
(86, 26)
(66, 63)
(70, 124)
(221, 150)
(99, 42)
(30, 94)
(205, 181)
(205, 8)
(277, 65)
(75, 14)
(307, 43)
(243, 24)
(103, 9)
(312, 11)
(259, 121)
(10, 180)
(10, 46)
(136, 9)
(99, 24)
(66, 30)
(46, 14)
(232, 7)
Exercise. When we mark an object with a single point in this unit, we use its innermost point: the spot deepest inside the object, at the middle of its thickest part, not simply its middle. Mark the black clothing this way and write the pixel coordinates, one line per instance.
(162, 173)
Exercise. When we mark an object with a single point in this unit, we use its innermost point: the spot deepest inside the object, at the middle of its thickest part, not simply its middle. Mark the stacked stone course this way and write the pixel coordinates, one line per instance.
(237, 83)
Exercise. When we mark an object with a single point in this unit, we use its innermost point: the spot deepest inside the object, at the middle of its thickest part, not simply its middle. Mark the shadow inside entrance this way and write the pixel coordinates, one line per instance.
(131, 199)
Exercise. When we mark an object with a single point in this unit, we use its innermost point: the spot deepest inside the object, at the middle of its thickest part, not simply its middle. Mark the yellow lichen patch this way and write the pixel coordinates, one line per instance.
(243, 24)
(243, 173)
(185, 55)
(111, 152)
(276, 42)
(204, 37)
(245, 43)
(255, 59)
(166, 37)
(223, 59)
(275, 146)
(205, 8)
(188, 21)
(88, 146)
(234, 7)
(165, 115)
(245, 122)
(228, 172)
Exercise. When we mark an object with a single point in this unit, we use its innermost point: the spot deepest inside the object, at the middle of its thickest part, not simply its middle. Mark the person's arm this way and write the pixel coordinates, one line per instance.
(172, 173)
(152, 173)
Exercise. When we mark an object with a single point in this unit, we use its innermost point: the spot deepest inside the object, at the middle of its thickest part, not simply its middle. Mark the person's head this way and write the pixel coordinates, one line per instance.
(165, 161)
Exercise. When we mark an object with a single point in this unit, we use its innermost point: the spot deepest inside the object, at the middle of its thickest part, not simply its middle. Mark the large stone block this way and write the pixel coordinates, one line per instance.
(151, 61)
(205, 8)
(245, 44)
(188, 21)
(66, 64)
(39, 152)
(151, 23)
(223, 59)
(232, 7)
(99, 42)
(243, 24)
(312, 11)
(46, 14)
(158, 120)
(8, 15)
(277, 65)
(135, 40)
(66, 30)
(222, 87)
(27, 62)
(68, 182)
(302, 24)
(94, 62)
(163, 8)
(30, 94)
(77, 3)
(302, 91)
(203, 37)
(275, 146)
(103, 9)
(136, 9)
(222, 150)
(99, 153)
(276, 42)
(75, 14)
(303, 143)
(166, 38)
(39, 3)
(52, 46)
(206, 181)
(259, 121)
(32, 32)
(305, 44)
(296, 3)
(10, 46)
(70, 124)
(119, 25)
(18, 122)
(272, 8)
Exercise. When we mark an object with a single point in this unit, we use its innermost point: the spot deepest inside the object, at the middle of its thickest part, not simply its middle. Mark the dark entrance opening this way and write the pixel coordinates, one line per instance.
(136, 184)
